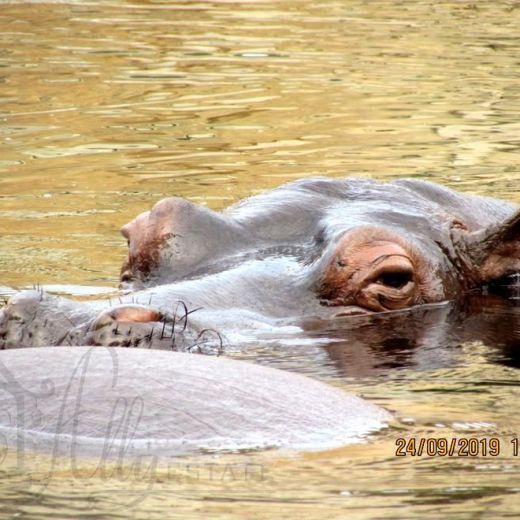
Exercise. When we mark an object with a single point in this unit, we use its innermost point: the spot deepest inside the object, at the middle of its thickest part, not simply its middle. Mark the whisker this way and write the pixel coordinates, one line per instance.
(163, 327)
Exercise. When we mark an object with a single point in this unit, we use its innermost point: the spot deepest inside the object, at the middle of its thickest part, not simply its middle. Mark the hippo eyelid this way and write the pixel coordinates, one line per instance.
(382, 258)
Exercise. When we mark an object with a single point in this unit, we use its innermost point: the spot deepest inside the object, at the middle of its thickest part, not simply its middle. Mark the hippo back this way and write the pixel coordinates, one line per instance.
(114, 402)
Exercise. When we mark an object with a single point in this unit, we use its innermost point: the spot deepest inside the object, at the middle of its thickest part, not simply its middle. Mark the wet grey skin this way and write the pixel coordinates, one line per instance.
(196, 276)
(112, 403)
(34, 318)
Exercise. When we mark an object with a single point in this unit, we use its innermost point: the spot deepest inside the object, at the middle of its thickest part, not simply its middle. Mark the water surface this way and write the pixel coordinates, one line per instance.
(108, 106)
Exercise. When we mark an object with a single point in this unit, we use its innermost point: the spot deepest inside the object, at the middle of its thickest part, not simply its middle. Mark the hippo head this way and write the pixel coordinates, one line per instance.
(316, 247)
(359, 244)
(377, 268)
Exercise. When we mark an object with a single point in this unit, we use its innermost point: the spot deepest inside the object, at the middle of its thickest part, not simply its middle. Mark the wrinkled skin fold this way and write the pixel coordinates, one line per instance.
(315, 247)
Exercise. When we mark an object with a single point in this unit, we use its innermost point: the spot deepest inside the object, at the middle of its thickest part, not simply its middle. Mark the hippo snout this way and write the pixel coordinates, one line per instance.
(128, 326)
(35, 319)
(133, 325)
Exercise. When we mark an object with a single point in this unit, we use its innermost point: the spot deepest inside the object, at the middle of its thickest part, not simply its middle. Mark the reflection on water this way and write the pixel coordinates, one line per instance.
(429, 338)
(107, 106)
(425, 338)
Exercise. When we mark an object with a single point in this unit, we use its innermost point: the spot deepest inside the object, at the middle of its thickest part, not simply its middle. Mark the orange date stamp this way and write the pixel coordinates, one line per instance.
(454, 447)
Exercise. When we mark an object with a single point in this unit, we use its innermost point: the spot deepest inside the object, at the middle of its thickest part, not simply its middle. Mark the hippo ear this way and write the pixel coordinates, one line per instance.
(494, 251)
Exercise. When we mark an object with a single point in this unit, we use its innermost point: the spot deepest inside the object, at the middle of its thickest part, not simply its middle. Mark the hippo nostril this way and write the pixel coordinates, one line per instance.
(127, 277)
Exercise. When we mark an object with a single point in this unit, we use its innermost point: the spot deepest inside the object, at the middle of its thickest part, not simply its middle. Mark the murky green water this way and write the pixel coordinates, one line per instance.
(107, 106)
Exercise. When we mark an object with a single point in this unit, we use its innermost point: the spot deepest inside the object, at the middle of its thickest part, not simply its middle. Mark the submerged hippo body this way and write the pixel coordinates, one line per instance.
(315, 247)
(116, 403)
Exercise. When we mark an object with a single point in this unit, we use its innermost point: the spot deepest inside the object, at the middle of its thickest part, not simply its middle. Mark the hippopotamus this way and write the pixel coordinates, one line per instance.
(313, 251)
(122, 403)
(197, 279)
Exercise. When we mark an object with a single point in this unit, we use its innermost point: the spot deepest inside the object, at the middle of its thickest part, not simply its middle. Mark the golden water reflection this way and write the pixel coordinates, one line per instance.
(107, 106)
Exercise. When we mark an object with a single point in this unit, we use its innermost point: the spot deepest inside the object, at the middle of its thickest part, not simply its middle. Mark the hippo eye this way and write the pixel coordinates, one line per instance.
(397, 279)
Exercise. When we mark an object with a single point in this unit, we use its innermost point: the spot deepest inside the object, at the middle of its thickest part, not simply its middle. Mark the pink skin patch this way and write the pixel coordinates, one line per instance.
(136, 314)
(373, 269)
